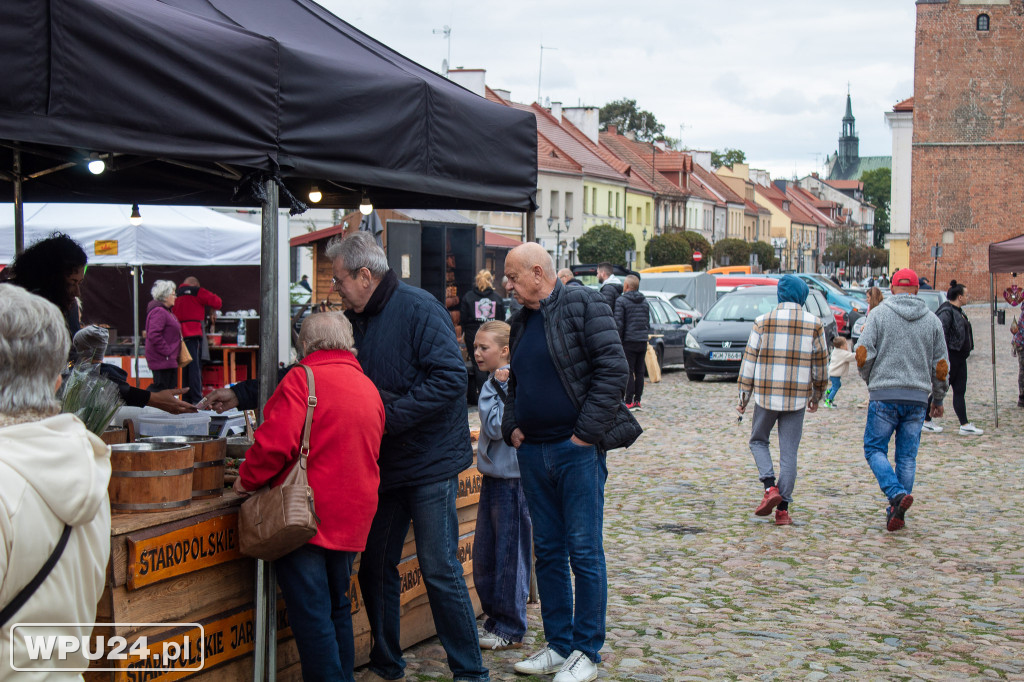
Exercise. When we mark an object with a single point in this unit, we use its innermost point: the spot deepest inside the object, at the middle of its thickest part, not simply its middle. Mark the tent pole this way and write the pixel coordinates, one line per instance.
(992, 323)
(19, 205)
(135, 321)
(266, 583)
(531, 226)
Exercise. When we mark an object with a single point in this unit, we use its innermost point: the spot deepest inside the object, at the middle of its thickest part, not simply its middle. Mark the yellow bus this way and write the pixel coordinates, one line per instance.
(668, 268)
(730, 270)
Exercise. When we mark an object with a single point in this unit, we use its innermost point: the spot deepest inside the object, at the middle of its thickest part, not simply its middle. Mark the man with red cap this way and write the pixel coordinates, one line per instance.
(902, 357)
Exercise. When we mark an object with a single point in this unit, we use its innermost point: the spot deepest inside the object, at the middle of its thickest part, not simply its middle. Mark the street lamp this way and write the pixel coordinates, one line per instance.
(558, 232)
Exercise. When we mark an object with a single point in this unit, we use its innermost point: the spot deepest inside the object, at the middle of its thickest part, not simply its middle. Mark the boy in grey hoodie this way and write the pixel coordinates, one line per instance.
(902, 357)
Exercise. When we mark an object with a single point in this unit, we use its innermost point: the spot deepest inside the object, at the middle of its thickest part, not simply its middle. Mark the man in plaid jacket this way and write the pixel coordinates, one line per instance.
(785, 370)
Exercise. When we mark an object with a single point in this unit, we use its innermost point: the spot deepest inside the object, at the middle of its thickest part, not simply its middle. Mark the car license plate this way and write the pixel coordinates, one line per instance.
(721, 355)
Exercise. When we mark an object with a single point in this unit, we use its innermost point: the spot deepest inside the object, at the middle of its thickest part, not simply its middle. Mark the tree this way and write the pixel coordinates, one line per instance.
(878, 191)
(624, 115)
(699, 243)
(605, 244)
(736, 251)
(727, 157)
(765, 255)
(668, 249)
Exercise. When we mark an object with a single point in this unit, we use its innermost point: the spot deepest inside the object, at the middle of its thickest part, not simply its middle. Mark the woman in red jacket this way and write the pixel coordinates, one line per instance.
(348, 423)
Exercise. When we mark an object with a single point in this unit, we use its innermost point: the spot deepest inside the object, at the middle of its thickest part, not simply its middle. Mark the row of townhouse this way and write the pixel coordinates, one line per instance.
(588, 177)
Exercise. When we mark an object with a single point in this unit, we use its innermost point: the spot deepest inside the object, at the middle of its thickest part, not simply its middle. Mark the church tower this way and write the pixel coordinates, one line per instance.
(849, 143)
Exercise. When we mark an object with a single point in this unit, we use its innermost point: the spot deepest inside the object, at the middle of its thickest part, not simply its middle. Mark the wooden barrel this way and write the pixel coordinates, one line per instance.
(150, 477)
(208, 469)
(114, 435)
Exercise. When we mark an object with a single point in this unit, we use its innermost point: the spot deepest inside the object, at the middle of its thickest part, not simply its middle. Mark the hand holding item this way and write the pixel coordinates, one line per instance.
(501, 375)
(169, 401)
(221, 400)
(936, 411)
(812, 407)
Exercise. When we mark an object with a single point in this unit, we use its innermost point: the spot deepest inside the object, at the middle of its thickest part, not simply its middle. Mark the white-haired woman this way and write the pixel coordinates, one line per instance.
(163, 336)
(53, 476)
(344, 443)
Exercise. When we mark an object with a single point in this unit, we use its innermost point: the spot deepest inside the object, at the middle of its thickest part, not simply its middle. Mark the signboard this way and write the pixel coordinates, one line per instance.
(697, 255)
(470, 483)
(105, 247)
(411, 578)
(936, 251)
(193, 547)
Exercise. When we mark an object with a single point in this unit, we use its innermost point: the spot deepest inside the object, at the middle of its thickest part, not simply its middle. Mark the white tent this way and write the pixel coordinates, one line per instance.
(168, 235)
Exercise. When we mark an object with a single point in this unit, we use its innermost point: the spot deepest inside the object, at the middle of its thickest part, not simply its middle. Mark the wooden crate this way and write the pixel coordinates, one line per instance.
(183, 566)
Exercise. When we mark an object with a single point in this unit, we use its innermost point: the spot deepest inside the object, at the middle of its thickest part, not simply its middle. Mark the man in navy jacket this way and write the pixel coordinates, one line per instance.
(408, 349)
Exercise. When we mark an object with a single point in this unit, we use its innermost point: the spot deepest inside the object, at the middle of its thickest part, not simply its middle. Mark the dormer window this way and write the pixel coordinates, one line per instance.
(982, 22)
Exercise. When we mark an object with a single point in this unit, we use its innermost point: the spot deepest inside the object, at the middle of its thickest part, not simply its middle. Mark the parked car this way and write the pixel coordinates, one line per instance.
(933, 299)
(715, 345)
(726, 283)
(851, 306)
(667, 332)
(688, 315)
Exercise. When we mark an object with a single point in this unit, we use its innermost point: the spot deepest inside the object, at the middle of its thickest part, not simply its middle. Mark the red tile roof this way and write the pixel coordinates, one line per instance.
(905, 105)
(590, 161)
(845, 184)
(549, 156)
(639, 154)
(500, 240)
(715, 184)
(777, 197)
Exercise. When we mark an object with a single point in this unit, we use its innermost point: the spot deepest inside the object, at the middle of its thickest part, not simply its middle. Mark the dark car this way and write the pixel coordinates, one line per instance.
(933, 299)
(667, 332)
(715, 345)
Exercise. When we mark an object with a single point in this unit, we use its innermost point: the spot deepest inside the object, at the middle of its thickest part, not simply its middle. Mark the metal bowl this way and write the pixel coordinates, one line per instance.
(237, 446)
(145, 447)
(179, 440)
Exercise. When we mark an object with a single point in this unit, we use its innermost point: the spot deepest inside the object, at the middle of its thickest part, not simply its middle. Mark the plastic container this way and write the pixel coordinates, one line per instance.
(164, 424)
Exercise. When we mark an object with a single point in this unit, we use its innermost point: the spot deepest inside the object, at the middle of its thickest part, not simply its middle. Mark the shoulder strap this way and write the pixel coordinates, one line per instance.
(498, 389)
(310, 404)
(34, 584)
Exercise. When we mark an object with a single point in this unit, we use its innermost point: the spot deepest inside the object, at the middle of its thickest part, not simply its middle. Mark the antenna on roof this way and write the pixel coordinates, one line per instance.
(445, 31)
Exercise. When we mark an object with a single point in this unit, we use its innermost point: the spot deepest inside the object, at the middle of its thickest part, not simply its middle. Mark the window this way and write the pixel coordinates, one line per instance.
(982, 22)
(629, 214)
(585, 197)
(568, 212)
(647, 213)
(593, 201)
(609, 211)
(618, 209)
(553, 208)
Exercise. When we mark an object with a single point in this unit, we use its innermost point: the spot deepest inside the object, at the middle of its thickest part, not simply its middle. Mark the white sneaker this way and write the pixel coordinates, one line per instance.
(970, 429)
(493, 642)
(931, 427)
(544, 662)
(577, 668)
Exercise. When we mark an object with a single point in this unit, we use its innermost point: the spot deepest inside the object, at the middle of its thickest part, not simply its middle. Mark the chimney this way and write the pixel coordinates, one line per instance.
(471, 79)
(613, 129)
(556, 111)
(504, 94)
(588, 120)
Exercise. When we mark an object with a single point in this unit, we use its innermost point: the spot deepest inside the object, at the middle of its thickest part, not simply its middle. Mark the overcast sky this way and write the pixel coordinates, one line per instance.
(769, 78)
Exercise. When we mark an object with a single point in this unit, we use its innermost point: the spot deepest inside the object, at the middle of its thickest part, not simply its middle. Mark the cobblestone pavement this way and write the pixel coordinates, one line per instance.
(701, 589)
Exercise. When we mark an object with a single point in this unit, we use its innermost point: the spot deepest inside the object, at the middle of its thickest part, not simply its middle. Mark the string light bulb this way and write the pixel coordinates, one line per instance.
(136, 217)
(315, 195)
(365, 207)
(96, 164)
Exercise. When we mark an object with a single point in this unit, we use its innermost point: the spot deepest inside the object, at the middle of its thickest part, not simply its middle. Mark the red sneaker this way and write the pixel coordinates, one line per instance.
(782, 518)
(771, 499)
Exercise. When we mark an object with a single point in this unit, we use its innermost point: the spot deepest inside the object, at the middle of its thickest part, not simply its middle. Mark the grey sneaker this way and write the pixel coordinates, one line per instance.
(544, 662)
(577, 668)
(931, 427)
(493, 642)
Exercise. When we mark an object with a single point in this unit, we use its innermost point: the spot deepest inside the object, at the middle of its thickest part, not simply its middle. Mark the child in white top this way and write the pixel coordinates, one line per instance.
(842, 361)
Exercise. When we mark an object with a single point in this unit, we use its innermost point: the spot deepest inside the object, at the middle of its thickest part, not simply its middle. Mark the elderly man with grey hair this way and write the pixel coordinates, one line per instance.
(53, 484)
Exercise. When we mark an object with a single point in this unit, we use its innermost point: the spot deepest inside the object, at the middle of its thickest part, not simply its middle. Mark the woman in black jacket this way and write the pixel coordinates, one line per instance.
(632, 317)
(959, 343)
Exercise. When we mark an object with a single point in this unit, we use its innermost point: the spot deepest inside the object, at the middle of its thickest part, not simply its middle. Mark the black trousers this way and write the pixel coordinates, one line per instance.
(636, 352)
(957, 386)
(193, 373)
(164, 379)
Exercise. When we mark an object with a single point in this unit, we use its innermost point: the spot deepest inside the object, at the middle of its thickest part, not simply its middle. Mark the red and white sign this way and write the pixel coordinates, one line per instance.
(697, 255)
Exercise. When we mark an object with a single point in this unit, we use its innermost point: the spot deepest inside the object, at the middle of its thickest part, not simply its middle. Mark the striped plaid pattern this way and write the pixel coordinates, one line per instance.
(786, 360)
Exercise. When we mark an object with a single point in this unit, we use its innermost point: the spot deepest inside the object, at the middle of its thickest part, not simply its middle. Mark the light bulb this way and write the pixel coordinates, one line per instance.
(97, 166)
(365, 207)
(315, 195)
(136, 217)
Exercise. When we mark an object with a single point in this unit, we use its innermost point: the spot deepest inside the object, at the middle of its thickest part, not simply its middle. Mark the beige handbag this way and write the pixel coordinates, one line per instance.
(184, 357)
(651, 360)
(279, 520)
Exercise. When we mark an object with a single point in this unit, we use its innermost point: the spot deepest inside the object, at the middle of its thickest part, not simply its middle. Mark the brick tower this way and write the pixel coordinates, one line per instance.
(968, 148)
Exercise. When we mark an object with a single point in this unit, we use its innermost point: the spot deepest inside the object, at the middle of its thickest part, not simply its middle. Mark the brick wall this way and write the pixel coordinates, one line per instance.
(968, 156)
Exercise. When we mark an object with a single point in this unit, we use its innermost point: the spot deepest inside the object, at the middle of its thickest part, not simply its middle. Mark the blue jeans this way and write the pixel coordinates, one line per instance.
(501, 556)
(315, 583)
(884, 419)
(431, 508)
(564, 486)
(837, 383)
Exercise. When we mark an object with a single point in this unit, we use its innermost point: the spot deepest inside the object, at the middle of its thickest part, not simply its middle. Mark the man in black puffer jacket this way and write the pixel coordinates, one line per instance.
(563, 412)
(633, 318)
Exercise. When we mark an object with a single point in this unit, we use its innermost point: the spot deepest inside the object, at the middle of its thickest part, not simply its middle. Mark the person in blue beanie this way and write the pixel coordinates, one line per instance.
(785, 371)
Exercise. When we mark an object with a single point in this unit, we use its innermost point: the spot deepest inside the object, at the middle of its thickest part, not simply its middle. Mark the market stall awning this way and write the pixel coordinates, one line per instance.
(1007, 255)
(182, 98)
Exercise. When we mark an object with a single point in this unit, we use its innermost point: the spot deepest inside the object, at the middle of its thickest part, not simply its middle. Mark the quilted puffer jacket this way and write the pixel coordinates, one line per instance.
(586, 350)
(632, 316)
(407, 348)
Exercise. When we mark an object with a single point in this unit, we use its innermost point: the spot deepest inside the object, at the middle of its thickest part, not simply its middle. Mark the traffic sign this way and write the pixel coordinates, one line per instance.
(697, 256)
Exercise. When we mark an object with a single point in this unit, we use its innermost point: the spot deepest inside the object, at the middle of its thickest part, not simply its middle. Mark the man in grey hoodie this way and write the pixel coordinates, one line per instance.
(902, 357)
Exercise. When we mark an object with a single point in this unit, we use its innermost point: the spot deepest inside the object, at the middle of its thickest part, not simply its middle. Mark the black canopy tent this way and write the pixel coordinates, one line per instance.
(1004, 256)
(205, 102)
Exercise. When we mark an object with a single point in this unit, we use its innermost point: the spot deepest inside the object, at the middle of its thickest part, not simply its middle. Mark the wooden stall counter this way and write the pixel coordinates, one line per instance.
(184, 566)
